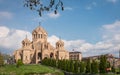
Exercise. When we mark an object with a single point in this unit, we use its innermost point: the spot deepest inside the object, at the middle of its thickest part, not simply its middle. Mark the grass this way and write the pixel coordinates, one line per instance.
(118, 70)
(25, 69)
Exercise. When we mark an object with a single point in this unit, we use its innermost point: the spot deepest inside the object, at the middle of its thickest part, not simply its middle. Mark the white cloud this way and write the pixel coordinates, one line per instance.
(5, 15)
(112, 1)
(111, 31)
(112, 26)
(53, 39)
(3, 31)
(109, 44)
(53, 15)
(11, 38)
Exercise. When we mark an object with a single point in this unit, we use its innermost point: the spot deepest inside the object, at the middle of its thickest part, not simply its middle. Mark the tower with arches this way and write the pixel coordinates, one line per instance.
(39, 48)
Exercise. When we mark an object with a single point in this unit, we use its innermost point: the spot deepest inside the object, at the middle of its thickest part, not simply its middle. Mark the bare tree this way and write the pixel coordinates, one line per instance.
(44, 5)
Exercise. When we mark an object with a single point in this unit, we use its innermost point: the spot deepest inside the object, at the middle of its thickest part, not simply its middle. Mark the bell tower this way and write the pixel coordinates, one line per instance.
(26, 42)
(60, 45)
(39, 34)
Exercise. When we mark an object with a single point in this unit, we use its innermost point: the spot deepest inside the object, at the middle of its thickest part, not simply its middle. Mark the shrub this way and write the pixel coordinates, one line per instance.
(82, 67)
(19, 63)
(1, 60)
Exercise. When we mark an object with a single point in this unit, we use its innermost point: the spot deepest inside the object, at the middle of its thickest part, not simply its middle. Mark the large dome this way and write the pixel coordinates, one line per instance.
(39, 29)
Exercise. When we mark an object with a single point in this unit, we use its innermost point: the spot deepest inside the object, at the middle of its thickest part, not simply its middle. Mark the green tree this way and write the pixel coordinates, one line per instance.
(64, 64)
(88, 66)
(103, 64)
(94, 67)
(19, 63)
(113, 69)
(108, 64)
(71, 66)
(68, 65)
(59, 64)
(82, 67)
(1, 60)
(76, 66)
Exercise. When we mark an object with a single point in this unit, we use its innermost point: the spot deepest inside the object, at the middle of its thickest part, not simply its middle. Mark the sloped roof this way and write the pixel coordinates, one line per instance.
(60, 42)
(39, 29)
(26, 40)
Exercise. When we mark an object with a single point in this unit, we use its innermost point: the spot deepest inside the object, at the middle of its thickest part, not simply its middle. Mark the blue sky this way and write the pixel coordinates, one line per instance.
(89, 26)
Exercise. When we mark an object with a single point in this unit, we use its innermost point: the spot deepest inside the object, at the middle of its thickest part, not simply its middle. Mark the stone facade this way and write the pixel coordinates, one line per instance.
(39, 48)
(75, 55)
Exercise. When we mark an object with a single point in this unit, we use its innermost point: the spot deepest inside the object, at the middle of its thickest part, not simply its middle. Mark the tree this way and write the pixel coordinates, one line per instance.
(94, 67)
(19, 63)
(113, 69)
(88, 66)
(103, 64)
(67, 65)
(63, 64)
(71, 66)
(82, 67)
(41, 5)
(1, 60)
(76, 65)
(108, 64)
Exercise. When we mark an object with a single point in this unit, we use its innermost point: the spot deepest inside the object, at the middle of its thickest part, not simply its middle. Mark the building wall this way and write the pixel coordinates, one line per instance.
(75, 56)
(39, 48)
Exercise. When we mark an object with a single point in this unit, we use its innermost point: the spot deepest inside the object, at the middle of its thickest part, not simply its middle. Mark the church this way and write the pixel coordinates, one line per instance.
(39, 48)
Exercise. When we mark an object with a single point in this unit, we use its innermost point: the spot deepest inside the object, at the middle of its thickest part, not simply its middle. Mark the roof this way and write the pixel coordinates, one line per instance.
(75, 52)
(60, 42)
(39, 29)
(26, 40)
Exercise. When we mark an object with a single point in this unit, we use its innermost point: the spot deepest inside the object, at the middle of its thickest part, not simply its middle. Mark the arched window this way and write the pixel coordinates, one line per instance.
(39, 55)
(26, 58)
(41, 35)
(23, 44)
(51, 55)
(34, 35)
(26, 44)
(32, 47)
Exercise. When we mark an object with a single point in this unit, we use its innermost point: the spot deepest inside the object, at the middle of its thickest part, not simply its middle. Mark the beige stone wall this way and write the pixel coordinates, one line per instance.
(75, 56)
(36, 50)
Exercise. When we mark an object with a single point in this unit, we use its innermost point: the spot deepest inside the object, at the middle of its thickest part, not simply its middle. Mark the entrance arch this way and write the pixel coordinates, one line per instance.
(51, 55)
(39, 55)
(46, 56)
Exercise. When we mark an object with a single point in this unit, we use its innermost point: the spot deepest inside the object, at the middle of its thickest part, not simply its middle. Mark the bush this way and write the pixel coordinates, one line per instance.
(88, 66)
(82, 67)
(1, 60)
(19, 63)
(94, 67)
(103, 64)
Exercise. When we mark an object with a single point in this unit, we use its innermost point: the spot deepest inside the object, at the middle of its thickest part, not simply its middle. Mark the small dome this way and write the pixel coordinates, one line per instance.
(26, 40)
(39, 29)
(60, 42)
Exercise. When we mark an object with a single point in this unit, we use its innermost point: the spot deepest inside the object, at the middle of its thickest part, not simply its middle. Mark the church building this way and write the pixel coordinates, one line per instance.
(39, 48)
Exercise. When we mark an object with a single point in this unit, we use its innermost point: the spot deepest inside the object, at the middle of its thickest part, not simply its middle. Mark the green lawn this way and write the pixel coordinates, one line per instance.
(13, 70)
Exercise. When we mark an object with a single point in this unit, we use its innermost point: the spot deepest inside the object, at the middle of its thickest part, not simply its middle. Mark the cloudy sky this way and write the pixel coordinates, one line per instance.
(89, 26)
